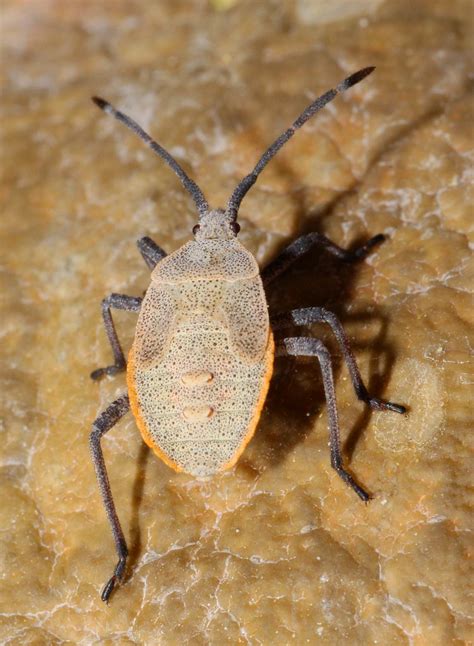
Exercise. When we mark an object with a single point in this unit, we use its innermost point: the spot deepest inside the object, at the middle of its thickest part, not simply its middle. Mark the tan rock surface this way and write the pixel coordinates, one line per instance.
(278, 550)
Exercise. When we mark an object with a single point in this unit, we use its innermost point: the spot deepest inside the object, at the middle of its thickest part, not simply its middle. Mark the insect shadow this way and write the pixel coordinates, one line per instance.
(296, 394)
(319, 279)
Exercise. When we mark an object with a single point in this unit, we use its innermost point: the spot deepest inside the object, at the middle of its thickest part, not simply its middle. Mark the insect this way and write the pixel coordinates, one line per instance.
(201, 361)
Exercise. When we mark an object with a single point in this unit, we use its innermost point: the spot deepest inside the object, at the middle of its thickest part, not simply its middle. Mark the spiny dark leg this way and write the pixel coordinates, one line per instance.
(120, 302)
(151, 252)
(102, 424)
(309, 315)
(304, 243)
(307, 347)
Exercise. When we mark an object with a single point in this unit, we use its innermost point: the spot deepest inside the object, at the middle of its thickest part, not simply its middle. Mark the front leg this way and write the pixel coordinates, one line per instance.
(151, 252)
(308, 347)
(304, 243)
(102, 424)
(309, 315)
(120, 302)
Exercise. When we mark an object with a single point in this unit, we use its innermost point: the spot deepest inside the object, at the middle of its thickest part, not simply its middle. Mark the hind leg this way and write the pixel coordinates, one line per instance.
(308, 347)
(102, 424)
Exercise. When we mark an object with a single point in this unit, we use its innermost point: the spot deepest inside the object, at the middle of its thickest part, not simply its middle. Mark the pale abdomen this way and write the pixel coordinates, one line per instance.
(198, 404)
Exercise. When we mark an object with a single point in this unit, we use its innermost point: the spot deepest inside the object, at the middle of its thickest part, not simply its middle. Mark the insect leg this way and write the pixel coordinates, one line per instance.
(304, 243)
(120, 302)
(309, 315)
(151, 252)
(308, 347)
(102, 424)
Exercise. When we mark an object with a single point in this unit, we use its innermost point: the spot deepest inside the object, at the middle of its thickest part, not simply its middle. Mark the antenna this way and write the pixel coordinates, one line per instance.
(249, 180)
(191, 186)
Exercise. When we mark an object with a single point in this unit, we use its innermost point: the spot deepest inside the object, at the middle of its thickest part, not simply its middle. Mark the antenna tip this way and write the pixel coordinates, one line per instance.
(354, 78)
(102, 104)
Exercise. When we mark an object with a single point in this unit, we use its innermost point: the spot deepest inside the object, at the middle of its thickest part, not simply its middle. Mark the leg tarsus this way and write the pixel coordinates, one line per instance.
(110, 371)
(379, 404)
(363, 251)
(349, 480)
(115, 578)
(375, 402)
(120, 302)
(308, 347)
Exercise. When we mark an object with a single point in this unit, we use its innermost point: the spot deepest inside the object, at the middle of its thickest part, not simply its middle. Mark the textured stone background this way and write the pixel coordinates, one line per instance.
(277, 551)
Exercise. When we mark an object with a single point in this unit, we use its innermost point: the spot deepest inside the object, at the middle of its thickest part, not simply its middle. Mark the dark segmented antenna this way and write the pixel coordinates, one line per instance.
(191, 186)
(249, 180)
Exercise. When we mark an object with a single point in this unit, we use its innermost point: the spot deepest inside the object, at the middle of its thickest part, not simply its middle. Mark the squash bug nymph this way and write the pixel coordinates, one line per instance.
(201, 361)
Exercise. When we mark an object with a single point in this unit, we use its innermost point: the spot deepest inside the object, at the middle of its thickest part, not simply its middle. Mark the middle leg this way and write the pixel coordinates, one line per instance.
(120, 302)
(309, 315)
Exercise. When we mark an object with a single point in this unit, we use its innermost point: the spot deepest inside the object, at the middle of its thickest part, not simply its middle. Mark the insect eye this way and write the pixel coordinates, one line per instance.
(235, 227)
(196, 228)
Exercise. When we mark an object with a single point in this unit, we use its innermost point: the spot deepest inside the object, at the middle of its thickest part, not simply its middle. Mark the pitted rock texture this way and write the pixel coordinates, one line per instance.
(277, 550)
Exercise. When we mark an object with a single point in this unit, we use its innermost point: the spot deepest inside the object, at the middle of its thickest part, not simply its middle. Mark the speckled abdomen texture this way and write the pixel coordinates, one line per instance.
(201, 362)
